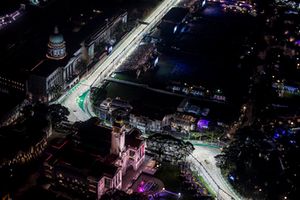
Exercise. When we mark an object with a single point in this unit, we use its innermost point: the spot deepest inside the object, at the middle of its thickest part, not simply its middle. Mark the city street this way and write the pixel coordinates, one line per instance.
(149, 99)
(77, 99)
(210, 172)
(123, 49)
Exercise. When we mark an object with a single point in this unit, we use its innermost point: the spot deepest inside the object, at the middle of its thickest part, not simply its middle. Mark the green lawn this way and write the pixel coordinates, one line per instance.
(203, 182)
(169, 175)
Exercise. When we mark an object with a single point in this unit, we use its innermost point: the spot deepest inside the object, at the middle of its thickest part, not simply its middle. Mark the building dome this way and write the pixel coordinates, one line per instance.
(56, 38)
(56, 46)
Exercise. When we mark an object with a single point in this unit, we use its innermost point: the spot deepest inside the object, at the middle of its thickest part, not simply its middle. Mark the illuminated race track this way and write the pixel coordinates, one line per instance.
(204, 162)
(76, 99)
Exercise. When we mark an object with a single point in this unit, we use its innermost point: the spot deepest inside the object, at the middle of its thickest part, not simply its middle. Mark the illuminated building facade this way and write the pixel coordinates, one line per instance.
(33, 142)
(12, 84)
(46, 81)
(95, 159)
(56, 46)
(181, 122)
(103, 35)
(60, 71)
(146, 124)
(112, 108)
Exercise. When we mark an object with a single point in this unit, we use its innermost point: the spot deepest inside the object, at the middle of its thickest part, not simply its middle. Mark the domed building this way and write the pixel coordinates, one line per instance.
(56, 46)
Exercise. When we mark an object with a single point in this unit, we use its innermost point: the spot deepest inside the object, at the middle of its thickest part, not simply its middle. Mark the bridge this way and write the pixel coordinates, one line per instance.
(77, 101)
(104, 68)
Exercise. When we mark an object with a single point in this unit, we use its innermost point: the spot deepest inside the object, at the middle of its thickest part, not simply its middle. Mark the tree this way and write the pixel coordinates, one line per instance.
(262, 165)
(98, 95)
(58, 113)
(169, 148)
(27, 111)
(55, 90)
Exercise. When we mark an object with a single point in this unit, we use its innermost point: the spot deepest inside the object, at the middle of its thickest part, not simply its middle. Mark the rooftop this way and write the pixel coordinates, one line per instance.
(132, 138)
(94, 138)
(80, 162)
(26, 135)
(46, 67)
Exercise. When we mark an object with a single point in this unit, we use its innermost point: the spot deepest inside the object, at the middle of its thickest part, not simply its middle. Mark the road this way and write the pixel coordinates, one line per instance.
(145, 86)
(77, 101)
(210, 172)
(72, 99)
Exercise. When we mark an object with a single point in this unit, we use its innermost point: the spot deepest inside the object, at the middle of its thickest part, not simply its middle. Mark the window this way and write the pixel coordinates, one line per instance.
(131, 153)
(141, 152)
(107, 183)
(119, 177)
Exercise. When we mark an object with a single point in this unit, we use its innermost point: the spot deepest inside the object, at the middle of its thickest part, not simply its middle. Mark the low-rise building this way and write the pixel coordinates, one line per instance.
(180, 122)
(145, 124)
(110, 109)
(13, 84)
(32, 137)
(187, 107)
(46, 81)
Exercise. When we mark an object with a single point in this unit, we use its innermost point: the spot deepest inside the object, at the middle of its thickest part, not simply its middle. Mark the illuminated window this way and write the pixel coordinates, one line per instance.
(119, 177)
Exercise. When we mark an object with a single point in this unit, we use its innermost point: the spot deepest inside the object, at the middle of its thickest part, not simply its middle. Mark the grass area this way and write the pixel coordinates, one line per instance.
(81, 100)
(205, 184)
(169, 175)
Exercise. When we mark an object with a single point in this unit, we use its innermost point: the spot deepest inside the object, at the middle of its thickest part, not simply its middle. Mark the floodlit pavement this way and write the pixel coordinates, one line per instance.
(75, 99)
(212, 175)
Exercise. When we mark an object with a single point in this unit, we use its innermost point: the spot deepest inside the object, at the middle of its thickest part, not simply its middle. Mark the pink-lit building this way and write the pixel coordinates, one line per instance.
(95, 159)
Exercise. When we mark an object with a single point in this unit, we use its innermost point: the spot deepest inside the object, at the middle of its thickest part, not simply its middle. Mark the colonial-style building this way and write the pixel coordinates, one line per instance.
(146, 124)
(109, 109)
(95, 159)
(60, 63)
(56, 46)
(181, 122)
